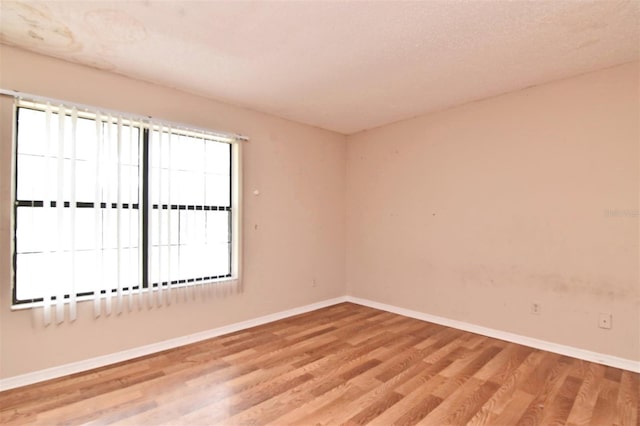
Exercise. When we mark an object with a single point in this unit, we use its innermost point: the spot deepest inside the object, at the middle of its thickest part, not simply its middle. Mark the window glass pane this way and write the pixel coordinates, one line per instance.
(34, 229)
(217, 226)
(85, 180)
(34, 271)
(217, 190)
(38, 166)
(129, 184)
(85, 139)
(217, 157)
(159, 226)
(197, 173)
(178, 166)
(188, 188)
(203, 249)
(85, 225)
(87, 271)
(32, 132)
(33, 182)
(217, 255)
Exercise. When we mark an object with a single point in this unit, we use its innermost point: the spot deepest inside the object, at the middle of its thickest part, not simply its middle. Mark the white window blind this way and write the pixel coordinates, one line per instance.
(122, 211)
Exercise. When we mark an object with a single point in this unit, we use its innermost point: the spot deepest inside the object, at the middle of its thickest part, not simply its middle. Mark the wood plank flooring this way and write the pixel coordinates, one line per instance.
(346, 364)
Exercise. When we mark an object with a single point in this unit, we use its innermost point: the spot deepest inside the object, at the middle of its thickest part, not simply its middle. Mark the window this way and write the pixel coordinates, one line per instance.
(107, 206)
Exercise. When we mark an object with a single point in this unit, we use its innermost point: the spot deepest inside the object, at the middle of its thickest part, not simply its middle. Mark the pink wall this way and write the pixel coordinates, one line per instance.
(299, 170)
(472, 214)
(476, 212)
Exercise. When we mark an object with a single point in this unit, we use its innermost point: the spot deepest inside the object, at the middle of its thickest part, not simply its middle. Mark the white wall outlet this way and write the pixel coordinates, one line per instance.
(536, 308)
(604, 321)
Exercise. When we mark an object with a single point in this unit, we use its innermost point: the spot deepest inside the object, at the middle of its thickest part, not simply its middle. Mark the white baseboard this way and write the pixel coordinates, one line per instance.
(612, 361)
(101, 361)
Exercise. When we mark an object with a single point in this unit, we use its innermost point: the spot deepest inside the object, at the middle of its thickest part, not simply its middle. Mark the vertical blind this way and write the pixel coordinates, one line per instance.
(124, 211)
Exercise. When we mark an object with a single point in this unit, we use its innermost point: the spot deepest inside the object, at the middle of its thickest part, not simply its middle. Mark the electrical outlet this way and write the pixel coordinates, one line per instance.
(604, 321)
(535, 308)
(313, 283)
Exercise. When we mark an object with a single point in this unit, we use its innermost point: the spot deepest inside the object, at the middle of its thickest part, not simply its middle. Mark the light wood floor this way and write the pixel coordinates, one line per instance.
(346, 364)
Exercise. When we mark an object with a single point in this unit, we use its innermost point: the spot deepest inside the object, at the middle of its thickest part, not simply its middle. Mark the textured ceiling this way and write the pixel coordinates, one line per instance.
(343, 66)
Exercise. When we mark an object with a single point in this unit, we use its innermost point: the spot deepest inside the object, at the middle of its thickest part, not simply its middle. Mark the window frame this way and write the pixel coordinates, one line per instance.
(144, 206)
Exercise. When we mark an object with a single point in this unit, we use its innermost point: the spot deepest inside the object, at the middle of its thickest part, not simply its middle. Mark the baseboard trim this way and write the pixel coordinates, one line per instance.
(612, 361)
(101, 361)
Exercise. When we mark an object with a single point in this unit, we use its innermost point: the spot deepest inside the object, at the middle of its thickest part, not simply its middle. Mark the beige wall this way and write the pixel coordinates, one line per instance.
(476, 212)
(471, 214)
(299, 170)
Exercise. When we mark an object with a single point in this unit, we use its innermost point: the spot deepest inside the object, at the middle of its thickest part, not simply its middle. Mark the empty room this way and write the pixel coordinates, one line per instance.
(320, 212)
